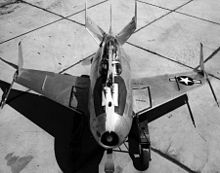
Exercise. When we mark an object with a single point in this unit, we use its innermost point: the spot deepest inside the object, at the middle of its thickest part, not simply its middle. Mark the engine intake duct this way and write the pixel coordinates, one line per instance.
(109, 139)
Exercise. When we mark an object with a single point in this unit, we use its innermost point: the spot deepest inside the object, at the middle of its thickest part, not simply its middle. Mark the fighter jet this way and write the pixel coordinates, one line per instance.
(110, 97)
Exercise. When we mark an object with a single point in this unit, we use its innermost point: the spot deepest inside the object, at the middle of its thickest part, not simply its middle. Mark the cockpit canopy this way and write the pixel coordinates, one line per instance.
(110, 47)
(110, 57)
(110, 90)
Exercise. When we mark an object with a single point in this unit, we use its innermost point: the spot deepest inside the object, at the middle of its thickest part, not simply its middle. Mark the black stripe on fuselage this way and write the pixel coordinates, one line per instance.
(97, 94)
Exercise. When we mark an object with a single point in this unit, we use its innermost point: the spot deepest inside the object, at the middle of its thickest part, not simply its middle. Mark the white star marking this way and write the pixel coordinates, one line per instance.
(185, 80)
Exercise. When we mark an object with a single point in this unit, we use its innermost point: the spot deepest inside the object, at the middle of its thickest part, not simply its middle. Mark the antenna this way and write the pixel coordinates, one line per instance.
(110, 27)
(135, 12)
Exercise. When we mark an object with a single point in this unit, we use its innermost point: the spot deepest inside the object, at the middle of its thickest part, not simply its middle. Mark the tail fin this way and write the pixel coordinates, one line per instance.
(110, 26)
(129, 29)
(94, 30)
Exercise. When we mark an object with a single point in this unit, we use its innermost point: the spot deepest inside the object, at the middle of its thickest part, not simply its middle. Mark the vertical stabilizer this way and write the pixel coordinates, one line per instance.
(129, 29)
(94, 30)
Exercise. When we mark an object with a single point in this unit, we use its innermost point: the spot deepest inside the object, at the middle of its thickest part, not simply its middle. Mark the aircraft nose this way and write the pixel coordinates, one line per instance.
(109, 139)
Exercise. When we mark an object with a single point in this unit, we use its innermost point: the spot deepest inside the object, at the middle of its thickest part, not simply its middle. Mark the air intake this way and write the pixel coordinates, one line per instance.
(110, 139)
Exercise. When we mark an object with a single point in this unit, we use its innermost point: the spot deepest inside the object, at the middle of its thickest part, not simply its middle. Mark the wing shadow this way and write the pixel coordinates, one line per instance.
(75, 148)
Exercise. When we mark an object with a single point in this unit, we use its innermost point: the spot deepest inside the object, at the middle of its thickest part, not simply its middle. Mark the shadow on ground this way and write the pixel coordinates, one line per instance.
(75, 148)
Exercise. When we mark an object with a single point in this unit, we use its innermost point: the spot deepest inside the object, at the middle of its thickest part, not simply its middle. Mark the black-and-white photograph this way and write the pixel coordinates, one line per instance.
(109, 86)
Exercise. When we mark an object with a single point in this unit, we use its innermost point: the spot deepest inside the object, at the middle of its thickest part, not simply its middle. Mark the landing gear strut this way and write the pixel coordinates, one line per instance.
(109, 164)
(139, 144)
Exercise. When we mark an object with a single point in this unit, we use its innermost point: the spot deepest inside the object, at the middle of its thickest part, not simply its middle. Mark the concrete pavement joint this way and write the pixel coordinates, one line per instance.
(152, 22)
(171, 11)
(176, 162)
(64, 18)
(35, 29)
(51, 12)
(162, 56)
(196, 17)
(59, 15)
(178, 12)
(165, 156)
(3, 4)
(164, 8)
(76, 63)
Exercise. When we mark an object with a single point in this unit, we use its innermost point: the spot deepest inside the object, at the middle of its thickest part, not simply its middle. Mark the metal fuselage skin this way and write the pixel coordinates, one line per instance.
(110, 99)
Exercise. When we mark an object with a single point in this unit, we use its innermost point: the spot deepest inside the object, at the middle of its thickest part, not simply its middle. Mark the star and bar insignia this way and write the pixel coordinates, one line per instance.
(185, 80)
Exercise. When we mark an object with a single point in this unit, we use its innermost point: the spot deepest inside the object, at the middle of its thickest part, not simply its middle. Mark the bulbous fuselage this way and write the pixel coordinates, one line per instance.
(110, 99)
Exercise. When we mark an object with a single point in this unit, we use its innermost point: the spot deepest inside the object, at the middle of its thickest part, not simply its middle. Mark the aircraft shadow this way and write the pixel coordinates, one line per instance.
(75, 148)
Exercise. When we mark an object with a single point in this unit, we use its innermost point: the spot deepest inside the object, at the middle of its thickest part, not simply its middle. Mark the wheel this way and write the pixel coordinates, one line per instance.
(145, 158)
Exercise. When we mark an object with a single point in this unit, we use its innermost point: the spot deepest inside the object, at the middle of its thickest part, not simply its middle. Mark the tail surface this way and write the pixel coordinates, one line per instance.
(97, 32)
(94, 30)
(129, 29)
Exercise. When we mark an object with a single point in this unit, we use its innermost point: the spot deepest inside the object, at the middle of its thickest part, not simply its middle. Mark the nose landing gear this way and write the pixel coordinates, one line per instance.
(109, 164)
